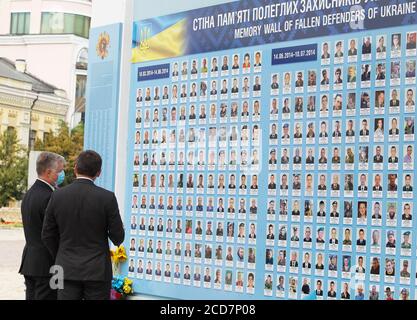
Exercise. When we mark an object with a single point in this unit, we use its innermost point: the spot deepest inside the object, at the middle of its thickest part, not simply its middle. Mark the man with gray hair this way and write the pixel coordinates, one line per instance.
(36, 259)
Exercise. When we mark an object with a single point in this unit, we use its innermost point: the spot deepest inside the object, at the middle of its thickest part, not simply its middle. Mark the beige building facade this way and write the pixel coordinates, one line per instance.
(29, 105)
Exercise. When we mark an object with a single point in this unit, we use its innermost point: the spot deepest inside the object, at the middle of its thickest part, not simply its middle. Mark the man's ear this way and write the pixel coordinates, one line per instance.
(98, 174)
(47, 172)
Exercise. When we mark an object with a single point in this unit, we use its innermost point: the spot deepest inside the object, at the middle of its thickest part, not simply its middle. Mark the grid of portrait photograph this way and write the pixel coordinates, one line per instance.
(197, 157)
(282, 182)
(341, 172)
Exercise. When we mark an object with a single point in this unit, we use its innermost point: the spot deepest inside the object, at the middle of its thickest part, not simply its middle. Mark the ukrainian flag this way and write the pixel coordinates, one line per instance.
(167, 43)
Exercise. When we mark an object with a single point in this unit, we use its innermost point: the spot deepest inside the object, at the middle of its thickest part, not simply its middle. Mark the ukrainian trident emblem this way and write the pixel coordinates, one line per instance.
(145, 34)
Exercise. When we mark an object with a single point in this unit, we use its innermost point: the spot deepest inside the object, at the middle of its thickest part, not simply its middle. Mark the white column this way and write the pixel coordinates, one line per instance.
(124, 90)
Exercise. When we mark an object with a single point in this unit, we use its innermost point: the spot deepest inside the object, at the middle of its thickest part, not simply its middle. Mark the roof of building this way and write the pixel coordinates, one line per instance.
(8, 70)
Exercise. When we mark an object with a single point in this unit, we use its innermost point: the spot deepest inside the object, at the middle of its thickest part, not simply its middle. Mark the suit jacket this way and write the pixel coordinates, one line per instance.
(79, 220)
(36, 259)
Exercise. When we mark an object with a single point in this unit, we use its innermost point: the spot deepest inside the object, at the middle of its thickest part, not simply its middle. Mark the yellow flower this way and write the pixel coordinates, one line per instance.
(127, 286)
(127, 289)
(121, 254)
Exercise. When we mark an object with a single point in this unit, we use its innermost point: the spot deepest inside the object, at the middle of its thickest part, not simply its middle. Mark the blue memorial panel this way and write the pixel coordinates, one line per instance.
(102, 98)
(274, 167)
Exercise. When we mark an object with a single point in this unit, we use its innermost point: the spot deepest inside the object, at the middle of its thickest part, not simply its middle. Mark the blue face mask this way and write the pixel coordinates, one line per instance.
(61, 178)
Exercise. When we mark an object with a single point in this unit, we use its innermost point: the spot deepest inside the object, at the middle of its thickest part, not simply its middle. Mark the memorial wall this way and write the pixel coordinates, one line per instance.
(271, 151)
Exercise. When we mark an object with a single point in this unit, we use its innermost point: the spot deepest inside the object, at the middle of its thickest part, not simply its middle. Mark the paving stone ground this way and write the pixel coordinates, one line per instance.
(12, 285)
(11, 246)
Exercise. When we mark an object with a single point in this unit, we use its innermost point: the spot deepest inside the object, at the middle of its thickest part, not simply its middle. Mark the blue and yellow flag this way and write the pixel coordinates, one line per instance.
(168, 43)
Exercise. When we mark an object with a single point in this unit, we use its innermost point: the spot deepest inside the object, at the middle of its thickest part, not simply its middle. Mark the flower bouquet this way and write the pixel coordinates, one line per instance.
(120, 286)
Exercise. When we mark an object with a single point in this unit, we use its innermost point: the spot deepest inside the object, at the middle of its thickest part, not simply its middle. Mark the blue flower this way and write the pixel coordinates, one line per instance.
(117, 284)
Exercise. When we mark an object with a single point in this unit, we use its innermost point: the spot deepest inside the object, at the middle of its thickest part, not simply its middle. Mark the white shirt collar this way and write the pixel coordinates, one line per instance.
(86, 178)
(47, 183)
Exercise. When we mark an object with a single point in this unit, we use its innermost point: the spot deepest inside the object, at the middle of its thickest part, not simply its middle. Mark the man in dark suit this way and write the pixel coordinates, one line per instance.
(79, 221)
(36, 259)
(364, 131)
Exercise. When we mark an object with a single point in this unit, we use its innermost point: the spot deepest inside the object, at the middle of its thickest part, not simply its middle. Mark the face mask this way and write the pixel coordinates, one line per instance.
(61, 177)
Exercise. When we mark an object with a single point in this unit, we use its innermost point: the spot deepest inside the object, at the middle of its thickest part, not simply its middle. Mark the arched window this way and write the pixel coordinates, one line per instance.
(82, 59)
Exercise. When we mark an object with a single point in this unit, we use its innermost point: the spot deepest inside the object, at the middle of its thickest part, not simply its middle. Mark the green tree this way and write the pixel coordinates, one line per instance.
(68, 143)
(13, 168)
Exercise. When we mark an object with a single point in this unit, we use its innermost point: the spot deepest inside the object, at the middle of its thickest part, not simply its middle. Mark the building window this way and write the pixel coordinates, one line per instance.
(82, 59)
(32, 139)
(11, 129)
(80, 86)
(80, 89)
(46, 135)
(20, 23)
(65, 23)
